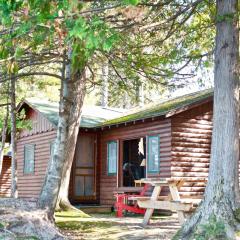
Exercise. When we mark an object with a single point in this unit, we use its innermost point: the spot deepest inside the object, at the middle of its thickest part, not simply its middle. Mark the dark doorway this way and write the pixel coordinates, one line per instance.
(134, 161)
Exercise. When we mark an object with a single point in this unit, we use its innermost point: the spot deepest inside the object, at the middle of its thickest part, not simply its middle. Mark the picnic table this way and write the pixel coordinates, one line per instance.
(172, 202)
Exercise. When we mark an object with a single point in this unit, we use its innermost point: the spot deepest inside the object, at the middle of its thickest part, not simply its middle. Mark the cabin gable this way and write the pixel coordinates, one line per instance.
(39, 123)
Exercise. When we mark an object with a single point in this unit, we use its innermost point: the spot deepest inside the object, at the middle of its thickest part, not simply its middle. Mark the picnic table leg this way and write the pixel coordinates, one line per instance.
(119, 205)
(149, 211)
(176, 197)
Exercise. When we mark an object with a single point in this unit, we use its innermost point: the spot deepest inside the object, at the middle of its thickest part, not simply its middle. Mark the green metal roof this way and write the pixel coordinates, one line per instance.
(163, 108)
(92, 116)
(96, 116)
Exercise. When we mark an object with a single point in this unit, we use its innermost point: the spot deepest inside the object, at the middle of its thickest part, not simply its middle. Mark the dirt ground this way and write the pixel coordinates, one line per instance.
(108, 227)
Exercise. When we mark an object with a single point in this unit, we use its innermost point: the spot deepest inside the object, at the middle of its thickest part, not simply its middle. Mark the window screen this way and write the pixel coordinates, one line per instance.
(112, 152)
(153, 163)
(29, 158)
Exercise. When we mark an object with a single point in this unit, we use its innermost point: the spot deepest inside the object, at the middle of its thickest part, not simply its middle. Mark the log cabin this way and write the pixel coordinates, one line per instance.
(164, 139)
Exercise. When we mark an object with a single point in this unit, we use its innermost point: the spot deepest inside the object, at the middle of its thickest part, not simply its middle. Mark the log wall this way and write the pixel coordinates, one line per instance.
(29, 185)
(191, 145)
(5, 177)
(108, 184)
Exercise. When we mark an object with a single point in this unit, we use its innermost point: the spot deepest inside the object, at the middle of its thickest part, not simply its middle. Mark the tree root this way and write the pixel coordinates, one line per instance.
(209, 223)
(65, 205)
(21, 220)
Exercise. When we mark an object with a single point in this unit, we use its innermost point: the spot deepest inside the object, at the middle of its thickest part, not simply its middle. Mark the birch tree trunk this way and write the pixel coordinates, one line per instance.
(105, 76)
(4, 134)
(71, 101)
(14, 193)
(222, 191)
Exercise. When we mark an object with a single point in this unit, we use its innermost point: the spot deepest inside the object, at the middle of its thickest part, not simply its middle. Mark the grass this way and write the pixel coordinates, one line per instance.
(105, 226)
(74, 220)
(71, 214)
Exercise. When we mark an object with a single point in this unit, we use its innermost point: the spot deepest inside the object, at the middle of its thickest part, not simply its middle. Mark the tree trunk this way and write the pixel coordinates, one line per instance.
(222, 191)
(105, 76)
(14, 193)
(63, 202)
(71, 101)
(4, 134)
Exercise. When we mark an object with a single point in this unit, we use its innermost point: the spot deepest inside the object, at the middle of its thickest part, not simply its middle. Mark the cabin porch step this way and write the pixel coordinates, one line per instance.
(94, 208)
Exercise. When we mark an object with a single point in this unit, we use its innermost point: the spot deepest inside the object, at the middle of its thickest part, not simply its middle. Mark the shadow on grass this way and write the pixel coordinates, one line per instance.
(83, 225)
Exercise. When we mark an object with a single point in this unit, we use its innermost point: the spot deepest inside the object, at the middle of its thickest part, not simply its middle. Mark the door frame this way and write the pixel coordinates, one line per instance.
(120, 162)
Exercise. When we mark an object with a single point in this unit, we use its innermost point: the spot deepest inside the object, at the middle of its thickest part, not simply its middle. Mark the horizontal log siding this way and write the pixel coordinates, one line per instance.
(29, 185)
(5, 178)
(108, 184)
(191, 144)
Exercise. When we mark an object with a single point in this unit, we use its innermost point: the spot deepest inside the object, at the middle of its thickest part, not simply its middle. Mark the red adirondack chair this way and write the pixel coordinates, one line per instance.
(123, 202)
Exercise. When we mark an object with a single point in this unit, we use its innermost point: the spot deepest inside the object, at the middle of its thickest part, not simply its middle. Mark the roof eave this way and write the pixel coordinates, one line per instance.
(166, 114)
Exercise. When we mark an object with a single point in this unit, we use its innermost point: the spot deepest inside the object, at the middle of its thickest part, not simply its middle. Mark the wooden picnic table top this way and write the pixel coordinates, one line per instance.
(167, 181)
(162, 181)
(128, 190)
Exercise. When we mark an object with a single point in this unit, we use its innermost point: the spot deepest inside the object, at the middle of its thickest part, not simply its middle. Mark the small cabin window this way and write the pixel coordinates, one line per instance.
(112, 156)
(153, 160)
(29, 152)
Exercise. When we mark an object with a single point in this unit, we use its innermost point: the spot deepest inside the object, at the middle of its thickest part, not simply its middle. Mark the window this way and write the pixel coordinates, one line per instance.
(112, 155)
(29, 158)
(153, 161)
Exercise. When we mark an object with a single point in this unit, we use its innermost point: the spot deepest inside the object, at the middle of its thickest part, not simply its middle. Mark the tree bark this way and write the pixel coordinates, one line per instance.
(14, 192)
(105, 76)
(4, 134)
(71, 101)
(222, 191)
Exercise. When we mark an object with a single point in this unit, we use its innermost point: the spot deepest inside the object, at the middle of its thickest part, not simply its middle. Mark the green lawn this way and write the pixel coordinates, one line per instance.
(78, 225)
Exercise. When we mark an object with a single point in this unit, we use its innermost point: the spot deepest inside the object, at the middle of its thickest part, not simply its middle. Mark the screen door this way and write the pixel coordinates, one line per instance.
(84, 177)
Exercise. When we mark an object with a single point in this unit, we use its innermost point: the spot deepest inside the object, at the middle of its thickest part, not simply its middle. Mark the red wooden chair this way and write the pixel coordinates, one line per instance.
(123, 202)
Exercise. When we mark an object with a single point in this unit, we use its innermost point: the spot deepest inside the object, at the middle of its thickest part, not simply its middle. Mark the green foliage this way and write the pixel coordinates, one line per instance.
(2, 225)
(226, 17)
(131, 2)
(237, 214)
(212, 230)
(99, 29)
(22, 122)
(87, 37)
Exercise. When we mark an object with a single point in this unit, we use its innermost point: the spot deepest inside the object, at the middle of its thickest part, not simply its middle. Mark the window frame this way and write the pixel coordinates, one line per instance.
(108, 159)
(25, 171)
(150, 171)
